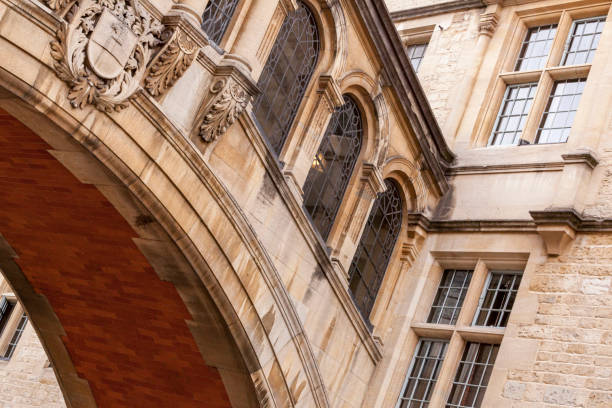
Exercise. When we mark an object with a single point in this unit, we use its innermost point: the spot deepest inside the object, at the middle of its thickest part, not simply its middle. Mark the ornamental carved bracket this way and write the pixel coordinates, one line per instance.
(230, 93)
(106, 49)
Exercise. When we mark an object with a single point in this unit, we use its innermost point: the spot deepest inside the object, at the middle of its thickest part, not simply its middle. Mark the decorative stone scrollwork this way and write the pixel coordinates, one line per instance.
(103, 51)
(171, 62)
(224, 109)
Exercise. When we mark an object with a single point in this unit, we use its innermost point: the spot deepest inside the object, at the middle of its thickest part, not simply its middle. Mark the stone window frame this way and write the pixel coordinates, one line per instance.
(546, 77)
(463, 331)
(11, 325)
(417, 36)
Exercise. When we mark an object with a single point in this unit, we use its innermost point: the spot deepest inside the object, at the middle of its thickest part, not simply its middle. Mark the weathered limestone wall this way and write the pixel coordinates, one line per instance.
(572, 327)
(26, 380)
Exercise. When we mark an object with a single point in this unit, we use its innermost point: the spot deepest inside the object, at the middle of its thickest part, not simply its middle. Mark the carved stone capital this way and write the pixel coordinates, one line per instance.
(230, 92)
(373, 179)
(488, 24)
(182, 44)
(412, 247)
(330, 92)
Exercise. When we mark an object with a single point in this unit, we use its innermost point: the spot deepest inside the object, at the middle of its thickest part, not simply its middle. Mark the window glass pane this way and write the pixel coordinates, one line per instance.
(6, 307)
(449, 297)
(560, 111)
(286, 75)
(15, 339)
(535, 48)
(375, 247)
(333, 166)
(216, 18)
(472, 375)
(513, 114)
(423, 373)
(416, 52)
(583, 41)
(496, 304)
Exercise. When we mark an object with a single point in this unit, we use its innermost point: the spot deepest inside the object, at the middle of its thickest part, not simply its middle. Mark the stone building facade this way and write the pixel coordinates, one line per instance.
(259, 203)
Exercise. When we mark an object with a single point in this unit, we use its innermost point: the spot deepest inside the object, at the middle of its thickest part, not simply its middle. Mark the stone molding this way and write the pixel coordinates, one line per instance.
(335, 276)
(372, 178)
(231, 90)
(487, 24)
(435, 9)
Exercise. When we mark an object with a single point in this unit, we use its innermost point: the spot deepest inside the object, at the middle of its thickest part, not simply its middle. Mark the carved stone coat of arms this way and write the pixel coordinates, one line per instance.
(103, 50)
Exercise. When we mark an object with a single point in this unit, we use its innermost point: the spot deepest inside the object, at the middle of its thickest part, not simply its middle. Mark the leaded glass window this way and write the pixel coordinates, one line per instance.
(216, 18)
(6, 307)
(583, 41)
(513, 114)
(375, 247)
(423, 374)
(286, 75)
(560, 111)
(449, 298)
(333, 165)
(498, 298)
(416, 52)
(472, 375)
(15, 339)
(536, 47)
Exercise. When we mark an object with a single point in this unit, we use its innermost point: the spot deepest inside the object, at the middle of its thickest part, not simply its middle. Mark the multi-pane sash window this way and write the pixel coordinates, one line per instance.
(6, 307)
(423, 374)
(216, 18)
(15, 339)
(286, 75)
(583, 40)
(450, 296)
(536, 47)
(529, 116)
(416, 52)
(513, 114)
(375, 247)
(472, 375)
(333, 165)
(497, 300)
(560, 111)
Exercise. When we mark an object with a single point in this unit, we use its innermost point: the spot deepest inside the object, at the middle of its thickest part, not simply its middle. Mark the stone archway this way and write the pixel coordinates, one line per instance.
(124, 318)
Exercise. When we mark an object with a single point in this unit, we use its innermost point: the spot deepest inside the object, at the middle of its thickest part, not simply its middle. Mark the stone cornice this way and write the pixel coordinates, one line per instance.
(406, 87)
(372, 177)
(435, 9)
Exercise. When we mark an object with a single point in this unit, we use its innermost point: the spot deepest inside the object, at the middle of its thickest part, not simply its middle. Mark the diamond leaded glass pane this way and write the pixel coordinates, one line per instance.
(286, 75)
(560, 111)
(216, 18)
(583, 41)
(333, 165)
(375, 247)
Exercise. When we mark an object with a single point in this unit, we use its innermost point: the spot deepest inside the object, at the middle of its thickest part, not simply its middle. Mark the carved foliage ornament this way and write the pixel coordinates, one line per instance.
(171, 62)
(103, 51)
(232, 99)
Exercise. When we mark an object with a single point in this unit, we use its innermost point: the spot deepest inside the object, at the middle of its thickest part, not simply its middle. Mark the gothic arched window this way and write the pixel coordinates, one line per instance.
(286, 74)
(333, 165)
(216, 18)
(375, 247)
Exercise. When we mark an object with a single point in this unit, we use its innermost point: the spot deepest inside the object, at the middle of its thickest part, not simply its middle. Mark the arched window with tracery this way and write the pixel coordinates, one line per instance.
(375, 248)
(286, 75)
(216, 18)
(333, 165)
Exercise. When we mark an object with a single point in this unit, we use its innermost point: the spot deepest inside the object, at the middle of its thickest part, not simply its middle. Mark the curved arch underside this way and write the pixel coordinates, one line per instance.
(125, 329)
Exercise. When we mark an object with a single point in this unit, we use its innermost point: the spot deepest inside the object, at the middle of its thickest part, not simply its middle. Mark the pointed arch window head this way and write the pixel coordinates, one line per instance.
(286, 75)
(375, 247)
(333, 165)
(216, 18)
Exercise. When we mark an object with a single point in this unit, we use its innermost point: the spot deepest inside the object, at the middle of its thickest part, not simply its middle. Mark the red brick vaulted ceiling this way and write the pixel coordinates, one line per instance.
(125, 328)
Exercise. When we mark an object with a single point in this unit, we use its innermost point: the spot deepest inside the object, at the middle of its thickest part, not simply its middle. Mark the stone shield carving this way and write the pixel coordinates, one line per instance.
(103, 50)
